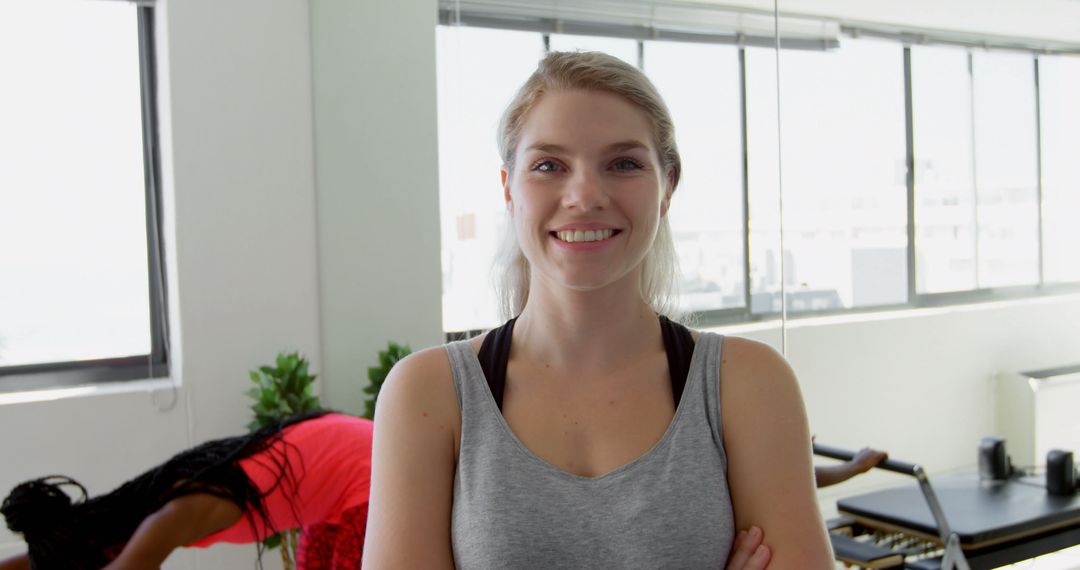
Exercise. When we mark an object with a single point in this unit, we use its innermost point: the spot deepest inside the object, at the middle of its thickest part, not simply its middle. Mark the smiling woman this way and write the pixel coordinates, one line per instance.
(591, 430)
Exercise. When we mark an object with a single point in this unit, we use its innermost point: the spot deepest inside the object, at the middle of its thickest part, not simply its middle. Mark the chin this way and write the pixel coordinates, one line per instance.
(585, 283)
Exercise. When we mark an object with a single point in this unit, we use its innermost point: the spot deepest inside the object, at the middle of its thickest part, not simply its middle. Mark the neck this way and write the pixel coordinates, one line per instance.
(586, 330)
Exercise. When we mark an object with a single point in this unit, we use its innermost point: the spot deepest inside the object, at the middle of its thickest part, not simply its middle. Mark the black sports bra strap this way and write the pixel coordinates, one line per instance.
(679, 344)
(494, 355)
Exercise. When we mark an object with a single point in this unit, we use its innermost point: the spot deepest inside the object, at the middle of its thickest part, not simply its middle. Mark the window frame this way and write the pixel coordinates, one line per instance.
(156, 364)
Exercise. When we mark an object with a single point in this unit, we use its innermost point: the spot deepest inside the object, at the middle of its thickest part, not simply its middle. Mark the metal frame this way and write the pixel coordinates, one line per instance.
(954, 555)
(909, 132)
(456, 16)
(155, 364)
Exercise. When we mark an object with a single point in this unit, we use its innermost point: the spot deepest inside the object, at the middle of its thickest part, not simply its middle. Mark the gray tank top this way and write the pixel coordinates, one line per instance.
(669, 508)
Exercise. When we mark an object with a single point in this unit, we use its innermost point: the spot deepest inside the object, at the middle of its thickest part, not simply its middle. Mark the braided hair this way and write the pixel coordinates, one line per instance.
(88, 533)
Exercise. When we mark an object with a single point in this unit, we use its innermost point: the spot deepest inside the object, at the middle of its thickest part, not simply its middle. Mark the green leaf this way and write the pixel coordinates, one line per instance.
(377, 374)
(272, 542)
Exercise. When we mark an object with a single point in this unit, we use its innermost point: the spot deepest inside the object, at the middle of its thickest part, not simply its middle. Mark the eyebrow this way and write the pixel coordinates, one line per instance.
(615, 147)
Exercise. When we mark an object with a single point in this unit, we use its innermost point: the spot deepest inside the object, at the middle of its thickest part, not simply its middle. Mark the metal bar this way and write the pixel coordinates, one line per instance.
(56, 375)
(893, 465)
(747, 293)
(1039, 173)
(974, 163)
(909, 131)
(916, 36)
(932, 501)
(628, 31)
(159, 324)
(954, 556)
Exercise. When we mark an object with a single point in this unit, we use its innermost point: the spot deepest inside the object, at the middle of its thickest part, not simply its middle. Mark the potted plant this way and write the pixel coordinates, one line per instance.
(282, 391)
(377, 374)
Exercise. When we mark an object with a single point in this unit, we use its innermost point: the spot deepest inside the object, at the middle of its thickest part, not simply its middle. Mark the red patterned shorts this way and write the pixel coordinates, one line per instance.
(334, 546)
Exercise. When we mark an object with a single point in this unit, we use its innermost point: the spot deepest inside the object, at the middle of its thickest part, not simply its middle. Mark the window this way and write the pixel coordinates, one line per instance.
(968, 222)
(944, 170)
(472, 97)
(700, 84)
(1006, 168)
(81, 295)
(1059, 87)
(763, 177)
(624, 49)
(843, 155)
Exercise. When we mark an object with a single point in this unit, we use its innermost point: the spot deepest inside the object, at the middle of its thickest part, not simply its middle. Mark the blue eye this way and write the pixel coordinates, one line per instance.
(544, 166)
(627, 164)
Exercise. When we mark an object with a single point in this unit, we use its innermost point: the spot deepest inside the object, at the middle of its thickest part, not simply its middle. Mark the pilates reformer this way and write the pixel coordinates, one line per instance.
(961, 521)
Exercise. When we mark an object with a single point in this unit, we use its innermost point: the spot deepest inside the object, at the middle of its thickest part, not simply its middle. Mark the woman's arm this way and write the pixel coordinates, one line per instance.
(181, 521)
(863, 461)
(413, 460)
(770, 471)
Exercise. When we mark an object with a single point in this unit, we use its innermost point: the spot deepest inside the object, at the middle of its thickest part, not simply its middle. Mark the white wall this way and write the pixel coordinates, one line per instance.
(920, 384)
(301, 213)
(377, 171)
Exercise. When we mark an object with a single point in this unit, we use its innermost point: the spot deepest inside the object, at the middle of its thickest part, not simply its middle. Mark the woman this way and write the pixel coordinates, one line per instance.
(310, 472)
(589, 431)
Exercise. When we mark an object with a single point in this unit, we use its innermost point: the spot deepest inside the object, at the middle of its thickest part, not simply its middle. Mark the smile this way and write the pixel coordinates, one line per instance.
(579, 236)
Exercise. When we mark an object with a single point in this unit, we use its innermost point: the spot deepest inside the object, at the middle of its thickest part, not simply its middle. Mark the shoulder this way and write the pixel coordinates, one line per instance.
(423, 363)
(754, 378)
(425, 376)
(742, 357)
(417, 434)
(419, 393)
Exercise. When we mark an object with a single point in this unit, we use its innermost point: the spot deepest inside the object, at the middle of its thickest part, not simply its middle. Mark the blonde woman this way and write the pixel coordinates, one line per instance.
(590, 431)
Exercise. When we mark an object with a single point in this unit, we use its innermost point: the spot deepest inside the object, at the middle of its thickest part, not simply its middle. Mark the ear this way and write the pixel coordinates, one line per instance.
(505, 176)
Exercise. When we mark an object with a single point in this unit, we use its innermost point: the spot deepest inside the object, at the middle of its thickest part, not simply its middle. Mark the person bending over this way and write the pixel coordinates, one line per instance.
(310, 472)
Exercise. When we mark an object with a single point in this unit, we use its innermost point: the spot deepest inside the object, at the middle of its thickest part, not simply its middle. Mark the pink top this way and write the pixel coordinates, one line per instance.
(331, 458)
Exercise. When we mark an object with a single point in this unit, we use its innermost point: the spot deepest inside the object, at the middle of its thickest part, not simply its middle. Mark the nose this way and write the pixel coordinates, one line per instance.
(585, 191)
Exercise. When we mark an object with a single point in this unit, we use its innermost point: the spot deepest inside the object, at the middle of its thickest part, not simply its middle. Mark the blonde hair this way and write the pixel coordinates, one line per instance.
(590, 71)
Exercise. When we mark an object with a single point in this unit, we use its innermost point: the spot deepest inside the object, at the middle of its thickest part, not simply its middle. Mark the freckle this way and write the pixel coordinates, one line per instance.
(575, 422)
(425, 414)
(611, 402)
(546, 365)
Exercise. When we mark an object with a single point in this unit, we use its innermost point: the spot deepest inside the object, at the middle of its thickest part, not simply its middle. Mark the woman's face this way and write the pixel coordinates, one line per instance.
(587, 189)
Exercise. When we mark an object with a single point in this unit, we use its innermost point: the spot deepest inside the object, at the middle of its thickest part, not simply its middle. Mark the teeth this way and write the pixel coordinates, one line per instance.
(573, 236)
